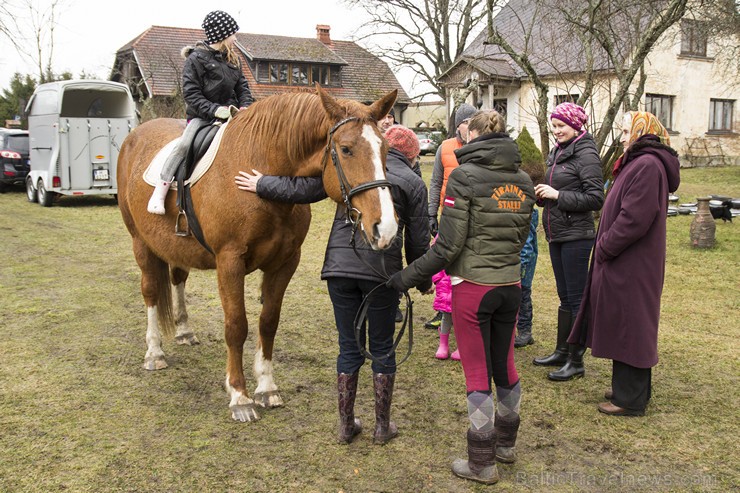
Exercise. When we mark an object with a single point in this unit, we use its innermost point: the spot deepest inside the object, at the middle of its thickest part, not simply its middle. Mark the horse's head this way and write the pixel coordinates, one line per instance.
(354, 170)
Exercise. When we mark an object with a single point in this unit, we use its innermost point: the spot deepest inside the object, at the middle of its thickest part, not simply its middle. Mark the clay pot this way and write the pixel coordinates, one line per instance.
(702, 227)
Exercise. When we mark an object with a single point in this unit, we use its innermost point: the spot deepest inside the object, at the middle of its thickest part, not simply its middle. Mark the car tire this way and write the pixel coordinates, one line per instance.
(45, 197)
(31, 193)
(3, 187)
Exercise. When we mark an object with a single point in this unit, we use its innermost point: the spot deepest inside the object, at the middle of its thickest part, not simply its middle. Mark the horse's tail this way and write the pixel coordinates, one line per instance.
(165, 319)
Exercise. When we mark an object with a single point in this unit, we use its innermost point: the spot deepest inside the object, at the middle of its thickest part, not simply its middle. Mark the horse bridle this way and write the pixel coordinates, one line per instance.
(354, 216)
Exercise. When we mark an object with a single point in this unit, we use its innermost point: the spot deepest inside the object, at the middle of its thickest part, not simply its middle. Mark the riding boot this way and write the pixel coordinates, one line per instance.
(385, 429)
(443, 351)
(349, 426)
(481, 463)
(156, 202)
(573, 368)
(506, 430)
(560, 355)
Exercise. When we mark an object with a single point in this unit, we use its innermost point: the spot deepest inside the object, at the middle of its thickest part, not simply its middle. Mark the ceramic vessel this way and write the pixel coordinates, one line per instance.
(702, 227)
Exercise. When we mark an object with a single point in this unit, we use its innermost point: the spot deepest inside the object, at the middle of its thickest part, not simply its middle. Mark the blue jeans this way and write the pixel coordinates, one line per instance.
(570, 265)
(346, 296)
(524, 320)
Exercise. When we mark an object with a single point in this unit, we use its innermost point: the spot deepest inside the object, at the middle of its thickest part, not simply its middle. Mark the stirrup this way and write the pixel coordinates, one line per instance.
(178, 231)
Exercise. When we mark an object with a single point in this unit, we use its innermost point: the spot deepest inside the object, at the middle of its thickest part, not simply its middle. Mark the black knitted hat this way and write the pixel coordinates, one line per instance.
(218, 26)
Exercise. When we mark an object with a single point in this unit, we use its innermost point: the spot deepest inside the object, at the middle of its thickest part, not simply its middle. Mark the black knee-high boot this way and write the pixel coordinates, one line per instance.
(560, 355)
(573, 368)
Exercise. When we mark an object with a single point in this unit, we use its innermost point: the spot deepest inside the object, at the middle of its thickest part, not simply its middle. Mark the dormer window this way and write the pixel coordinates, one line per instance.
(297, 74)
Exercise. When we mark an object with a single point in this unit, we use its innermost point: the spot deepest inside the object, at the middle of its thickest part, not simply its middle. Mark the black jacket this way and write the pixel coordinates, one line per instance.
(575, 172)
(409, 199)
(209, 81)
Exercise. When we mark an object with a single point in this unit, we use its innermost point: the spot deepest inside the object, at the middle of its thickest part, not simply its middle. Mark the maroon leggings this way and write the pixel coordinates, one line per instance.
(484, 318)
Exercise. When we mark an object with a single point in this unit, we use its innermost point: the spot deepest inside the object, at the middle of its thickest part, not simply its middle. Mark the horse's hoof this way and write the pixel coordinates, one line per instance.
(188, 339)
(271, 398)
(244, 412)
(155, 363)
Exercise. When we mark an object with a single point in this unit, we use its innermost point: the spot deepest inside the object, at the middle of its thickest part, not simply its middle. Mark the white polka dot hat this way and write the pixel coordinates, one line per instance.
(218, 26)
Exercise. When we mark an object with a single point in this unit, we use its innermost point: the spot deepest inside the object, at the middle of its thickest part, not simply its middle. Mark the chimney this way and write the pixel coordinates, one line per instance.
(322, 34)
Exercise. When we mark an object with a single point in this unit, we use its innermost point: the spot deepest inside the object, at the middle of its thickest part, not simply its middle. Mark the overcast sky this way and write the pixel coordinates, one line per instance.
(89, 32)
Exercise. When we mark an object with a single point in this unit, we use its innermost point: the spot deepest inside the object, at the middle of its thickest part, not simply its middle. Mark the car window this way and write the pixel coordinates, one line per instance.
(18, 143)
(422, 136)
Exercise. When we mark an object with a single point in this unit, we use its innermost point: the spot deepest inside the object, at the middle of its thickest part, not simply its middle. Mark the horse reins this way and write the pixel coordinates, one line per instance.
(354, 216)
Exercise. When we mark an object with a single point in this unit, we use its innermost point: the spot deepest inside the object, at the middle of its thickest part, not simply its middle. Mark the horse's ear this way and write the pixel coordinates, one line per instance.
(332, 107)
(383, 106)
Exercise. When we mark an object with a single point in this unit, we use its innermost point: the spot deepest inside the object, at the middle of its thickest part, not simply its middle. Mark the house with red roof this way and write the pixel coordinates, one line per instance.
(151, 65)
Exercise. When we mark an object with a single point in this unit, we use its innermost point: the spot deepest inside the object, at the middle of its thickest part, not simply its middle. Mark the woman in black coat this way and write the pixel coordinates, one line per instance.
(351, 276)
(573, 190)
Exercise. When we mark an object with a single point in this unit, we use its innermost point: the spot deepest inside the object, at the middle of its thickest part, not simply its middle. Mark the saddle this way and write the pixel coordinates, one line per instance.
(201, 141)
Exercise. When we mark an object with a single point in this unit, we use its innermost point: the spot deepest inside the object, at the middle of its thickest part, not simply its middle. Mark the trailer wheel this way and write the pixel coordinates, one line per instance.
(31, 192)
(45, 197)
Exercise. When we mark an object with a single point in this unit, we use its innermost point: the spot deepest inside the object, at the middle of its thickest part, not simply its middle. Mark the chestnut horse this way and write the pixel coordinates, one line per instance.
(295, 134)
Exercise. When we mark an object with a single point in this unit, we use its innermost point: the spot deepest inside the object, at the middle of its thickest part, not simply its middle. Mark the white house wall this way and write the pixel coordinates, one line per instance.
(693, 82)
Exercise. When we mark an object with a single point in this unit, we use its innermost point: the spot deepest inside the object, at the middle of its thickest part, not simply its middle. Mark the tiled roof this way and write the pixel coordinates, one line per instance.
(549, 47)
(364, 76)
(284, 48)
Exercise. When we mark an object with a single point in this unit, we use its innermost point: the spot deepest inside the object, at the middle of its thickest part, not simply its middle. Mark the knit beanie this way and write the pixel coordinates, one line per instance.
(571, 114)
(404, 140)
(464, 112)
(218, 26)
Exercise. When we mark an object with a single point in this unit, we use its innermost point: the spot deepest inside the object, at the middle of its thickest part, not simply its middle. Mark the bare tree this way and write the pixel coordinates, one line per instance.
(29, 25)
(426, 36)
(589, 37)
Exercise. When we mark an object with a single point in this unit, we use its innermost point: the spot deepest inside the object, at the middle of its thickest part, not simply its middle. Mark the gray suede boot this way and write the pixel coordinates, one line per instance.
(481, 463)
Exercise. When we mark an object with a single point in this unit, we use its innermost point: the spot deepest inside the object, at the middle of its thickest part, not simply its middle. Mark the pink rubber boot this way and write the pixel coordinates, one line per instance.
(443, 351)
(456, 355)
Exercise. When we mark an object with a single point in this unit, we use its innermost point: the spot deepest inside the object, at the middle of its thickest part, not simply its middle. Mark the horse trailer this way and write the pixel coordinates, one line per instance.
(76, 130)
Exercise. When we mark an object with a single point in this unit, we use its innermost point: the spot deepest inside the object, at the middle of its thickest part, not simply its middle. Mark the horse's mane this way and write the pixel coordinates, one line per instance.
(292, 122)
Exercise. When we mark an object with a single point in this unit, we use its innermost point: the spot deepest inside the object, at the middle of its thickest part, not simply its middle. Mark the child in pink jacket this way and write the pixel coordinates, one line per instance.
(443, 305)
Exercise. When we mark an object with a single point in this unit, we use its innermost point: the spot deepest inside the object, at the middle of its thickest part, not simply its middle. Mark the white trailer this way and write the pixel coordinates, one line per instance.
(76, 130)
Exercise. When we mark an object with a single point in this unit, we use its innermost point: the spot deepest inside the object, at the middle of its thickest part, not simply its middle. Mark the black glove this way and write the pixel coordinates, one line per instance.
(395, 282)
(425, 286)
(433, 226)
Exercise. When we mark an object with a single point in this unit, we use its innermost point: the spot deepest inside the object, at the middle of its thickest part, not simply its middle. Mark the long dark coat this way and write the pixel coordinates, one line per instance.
(619, 314)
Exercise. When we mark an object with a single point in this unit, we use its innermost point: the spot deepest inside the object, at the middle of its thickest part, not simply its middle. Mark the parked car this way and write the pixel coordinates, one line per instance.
(428, 142)
(14, 157)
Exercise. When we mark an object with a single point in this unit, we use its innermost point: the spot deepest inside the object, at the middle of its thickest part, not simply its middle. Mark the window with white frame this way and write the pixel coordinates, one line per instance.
(661, 105)
(720, 115)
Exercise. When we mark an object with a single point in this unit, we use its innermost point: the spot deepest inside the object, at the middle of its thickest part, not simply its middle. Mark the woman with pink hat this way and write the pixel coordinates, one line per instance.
(572, 191)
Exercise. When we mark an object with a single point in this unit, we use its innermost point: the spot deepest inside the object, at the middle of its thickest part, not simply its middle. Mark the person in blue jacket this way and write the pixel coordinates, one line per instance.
(529, 263)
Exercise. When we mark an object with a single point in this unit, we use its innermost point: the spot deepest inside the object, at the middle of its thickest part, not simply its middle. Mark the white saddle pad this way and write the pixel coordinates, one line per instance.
(151, 175)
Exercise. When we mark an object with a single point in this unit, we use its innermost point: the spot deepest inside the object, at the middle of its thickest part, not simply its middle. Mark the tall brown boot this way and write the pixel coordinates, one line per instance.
(385, 429)
(481, 463)
(506, 430)
(349, 426)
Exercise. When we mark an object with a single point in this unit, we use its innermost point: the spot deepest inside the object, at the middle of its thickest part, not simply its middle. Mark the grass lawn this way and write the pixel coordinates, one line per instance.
(78, 412)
